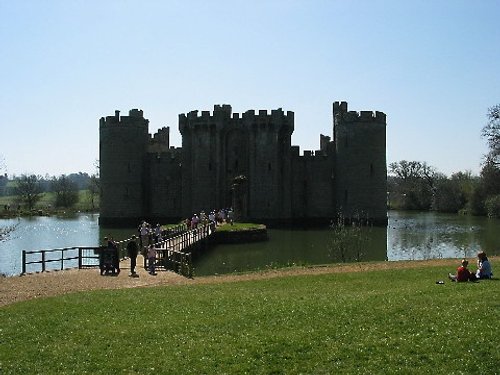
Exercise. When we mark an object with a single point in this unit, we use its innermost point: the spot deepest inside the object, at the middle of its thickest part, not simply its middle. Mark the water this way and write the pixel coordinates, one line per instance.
(408, 236)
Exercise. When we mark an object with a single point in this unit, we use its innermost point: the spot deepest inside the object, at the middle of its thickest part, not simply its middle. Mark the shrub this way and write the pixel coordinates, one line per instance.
(492, 205)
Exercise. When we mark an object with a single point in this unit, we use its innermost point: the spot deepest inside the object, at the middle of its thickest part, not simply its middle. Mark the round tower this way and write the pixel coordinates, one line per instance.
(122, 154)
(360, 163)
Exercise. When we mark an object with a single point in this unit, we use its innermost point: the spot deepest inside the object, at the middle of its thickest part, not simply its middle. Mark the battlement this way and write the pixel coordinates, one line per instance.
(135, 117)
(224, 113)
(339, 107)
(309, 155)
(161, 136)
(363, 116)
(341, 113)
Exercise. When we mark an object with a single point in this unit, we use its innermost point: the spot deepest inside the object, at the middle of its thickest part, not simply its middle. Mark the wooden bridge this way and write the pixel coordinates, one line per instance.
(175, 252)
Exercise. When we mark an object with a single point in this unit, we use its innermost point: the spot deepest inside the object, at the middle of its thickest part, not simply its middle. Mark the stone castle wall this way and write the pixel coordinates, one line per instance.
(360, 167)
(143, 177)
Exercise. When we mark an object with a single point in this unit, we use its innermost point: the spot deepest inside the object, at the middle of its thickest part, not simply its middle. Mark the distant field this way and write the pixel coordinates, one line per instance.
(47, 201)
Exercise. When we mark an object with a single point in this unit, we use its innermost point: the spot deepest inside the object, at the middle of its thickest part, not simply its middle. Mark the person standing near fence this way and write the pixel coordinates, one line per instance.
(132, 251)
(144, 232)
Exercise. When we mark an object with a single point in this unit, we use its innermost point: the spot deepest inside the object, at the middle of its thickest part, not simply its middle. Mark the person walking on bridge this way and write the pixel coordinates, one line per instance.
(132, 251)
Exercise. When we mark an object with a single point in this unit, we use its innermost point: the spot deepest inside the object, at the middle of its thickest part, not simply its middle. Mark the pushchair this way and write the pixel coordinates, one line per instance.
(109, 261)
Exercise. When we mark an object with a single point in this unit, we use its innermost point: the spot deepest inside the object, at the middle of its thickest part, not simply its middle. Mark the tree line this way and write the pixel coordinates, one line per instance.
(415, 185)
(29, 189)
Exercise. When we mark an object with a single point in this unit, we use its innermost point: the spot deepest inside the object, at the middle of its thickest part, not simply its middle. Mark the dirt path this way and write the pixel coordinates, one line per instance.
(40, 285)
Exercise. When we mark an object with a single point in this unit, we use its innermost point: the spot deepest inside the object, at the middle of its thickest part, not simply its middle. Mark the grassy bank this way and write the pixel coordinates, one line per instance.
(376, 322)
(237, 227)
(46, 205)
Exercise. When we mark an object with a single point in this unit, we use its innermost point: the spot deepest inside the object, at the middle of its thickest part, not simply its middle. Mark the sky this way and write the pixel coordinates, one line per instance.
(432, 66)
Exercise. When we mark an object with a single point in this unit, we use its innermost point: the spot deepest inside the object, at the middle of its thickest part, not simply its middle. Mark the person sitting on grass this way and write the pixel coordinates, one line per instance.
(483, 266)
(463, 273)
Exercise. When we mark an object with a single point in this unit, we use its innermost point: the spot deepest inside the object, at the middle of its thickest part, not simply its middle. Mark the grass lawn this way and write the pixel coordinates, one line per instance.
(46, 203)
(239, 227)
(376, 322)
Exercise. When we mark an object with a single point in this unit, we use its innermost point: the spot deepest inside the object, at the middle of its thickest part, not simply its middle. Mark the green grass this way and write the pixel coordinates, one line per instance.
(239, 227)
(46, 203)
(377, 322)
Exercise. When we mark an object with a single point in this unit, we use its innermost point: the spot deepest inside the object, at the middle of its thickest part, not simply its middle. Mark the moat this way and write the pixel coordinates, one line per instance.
(408, 236)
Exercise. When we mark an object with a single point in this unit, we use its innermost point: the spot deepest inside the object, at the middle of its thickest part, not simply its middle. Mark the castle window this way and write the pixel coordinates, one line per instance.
(371, 170)
(236, 165)
(127, 193)
(209, 166)
(346, 143)
(269, 166)
(128, 168)
(346, 196)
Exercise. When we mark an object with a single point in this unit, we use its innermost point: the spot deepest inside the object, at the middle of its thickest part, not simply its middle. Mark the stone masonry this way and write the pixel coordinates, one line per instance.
(244, 160)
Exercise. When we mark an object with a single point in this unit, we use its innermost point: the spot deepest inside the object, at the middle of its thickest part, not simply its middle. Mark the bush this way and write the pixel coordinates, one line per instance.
(492, 205)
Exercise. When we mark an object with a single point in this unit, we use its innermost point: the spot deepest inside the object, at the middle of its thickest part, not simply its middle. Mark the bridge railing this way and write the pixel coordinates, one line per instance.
(173, 253)
(59, 259)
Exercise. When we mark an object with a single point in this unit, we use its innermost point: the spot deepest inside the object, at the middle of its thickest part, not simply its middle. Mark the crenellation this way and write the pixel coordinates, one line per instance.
(380, 117)
(162, 136)
(362, 116)
(135, 113)
(339, 107)
(282, 184)
(250, 114)
(366, 116)
(277, 112)
(115, 120)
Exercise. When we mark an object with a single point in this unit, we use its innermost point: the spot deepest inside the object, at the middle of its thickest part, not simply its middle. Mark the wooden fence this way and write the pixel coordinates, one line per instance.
(173, 253)
(62, 258)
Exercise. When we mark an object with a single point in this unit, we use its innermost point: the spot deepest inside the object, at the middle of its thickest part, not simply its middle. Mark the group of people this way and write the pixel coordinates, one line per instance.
(484, 270)
(149, 234)
(215, 217)
(133, 252)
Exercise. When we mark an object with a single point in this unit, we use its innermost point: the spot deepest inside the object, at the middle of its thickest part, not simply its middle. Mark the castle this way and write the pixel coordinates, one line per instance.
(243, 161)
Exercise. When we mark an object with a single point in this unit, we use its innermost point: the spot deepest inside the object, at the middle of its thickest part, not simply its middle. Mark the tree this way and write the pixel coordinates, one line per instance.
(28, 190)
(66, 191)
(449, 197)
(414, 184)
(491, 131)
(94, 185)
(93, 189)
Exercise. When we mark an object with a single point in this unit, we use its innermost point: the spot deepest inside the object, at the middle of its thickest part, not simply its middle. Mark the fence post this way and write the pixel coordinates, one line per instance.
(43, 260)
(80, 260)
(24, 262)
(62, 259)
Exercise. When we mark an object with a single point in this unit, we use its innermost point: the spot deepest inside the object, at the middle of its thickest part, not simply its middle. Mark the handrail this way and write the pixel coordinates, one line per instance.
(173, 248)
(80, 254)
